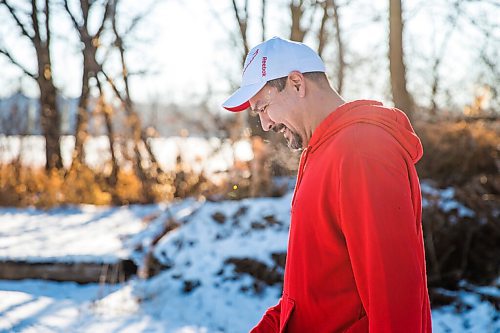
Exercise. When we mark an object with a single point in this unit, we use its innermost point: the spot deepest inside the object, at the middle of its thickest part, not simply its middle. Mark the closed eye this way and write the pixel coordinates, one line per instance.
(256, 112)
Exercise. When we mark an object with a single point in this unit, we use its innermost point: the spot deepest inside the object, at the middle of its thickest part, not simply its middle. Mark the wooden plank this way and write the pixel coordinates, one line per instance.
(76, 272)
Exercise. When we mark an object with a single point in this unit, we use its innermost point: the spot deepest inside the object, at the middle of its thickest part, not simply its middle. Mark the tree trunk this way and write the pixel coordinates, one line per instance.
(107, 111)
(263, 19)
(297, 33)
(241, 16)
(113, 177)
(322, 33)
(50, 121)
(435, 87)
(91, 67)
(340, 48)
(50, 117)
(81, 129)
(400, 95)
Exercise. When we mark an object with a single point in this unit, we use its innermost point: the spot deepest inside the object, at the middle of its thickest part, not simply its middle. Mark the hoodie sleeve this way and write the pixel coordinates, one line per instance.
(379, 225)
(270, 322)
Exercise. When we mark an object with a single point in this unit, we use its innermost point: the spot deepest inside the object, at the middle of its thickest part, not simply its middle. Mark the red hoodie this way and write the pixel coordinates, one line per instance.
(355, 258)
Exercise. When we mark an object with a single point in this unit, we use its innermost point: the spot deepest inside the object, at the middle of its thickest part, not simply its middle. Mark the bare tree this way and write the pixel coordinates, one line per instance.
(35, 26)
(263, 9)
(90, 43)
(299, 10)
(241, 15)
(437, 61)
(477, 19)
(400, 95)
(492, 75)
(107, 111)
(340, 47)
(323, 32)
(330, 10)
(146, 167)
(297, 33)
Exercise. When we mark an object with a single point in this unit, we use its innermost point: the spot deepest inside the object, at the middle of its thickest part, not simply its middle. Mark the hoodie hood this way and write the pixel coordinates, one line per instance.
(391, 120)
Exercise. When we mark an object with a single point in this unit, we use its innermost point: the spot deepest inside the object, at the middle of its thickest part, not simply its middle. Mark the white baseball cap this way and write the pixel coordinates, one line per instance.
(271, 60)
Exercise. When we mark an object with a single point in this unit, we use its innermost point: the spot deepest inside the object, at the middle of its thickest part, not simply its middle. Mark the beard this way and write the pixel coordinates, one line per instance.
(294, 142)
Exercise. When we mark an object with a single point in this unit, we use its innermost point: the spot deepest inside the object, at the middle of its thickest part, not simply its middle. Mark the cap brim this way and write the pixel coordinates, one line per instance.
(239, 100)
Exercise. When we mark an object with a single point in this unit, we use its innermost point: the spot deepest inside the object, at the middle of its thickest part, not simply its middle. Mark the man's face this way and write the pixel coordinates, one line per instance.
(274, 110)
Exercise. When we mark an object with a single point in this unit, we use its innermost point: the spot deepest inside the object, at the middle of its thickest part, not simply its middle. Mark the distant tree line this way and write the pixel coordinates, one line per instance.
(32, 19)
(103, 33)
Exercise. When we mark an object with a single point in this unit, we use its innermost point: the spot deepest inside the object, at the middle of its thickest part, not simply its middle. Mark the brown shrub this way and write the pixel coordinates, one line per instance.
(460, 248)
(455, 152)
(464, 155)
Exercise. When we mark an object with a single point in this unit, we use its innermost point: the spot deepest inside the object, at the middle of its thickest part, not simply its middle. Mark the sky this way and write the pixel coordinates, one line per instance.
(185, 46)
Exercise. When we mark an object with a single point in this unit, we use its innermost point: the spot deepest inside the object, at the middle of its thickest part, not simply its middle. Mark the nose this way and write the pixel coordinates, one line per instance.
(266, 122)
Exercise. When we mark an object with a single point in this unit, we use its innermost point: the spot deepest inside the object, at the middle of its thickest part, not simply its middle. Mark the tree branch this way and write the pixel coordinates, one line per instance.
(16, 18)
(242, 25)
(14, 62)
(107, 13)
(322, 33)
(47, 20)
(143, 72)
(486, 31)
(217, 16)
(85, 6)
(311, 18)
(340, 46)
(138, 18)
(113, 86)
(494, 3)
(73, 18)
(34, 20)
(263, 20)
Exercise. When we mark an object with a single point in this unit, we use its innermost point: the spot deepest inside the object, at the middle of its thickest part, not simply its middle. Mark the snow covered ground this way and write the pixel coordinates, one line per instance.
(85, 233)
(200, 289)
(35, 306)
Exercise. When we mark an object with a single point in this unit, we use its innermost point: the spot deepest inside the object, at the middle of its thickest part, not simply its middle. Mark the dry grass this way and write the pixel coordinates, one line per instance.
(22, 186)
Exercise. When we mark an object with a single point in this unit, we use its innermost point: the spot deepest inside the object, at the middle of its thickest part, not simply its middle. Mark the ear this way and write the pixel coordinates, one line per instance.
(297, 82)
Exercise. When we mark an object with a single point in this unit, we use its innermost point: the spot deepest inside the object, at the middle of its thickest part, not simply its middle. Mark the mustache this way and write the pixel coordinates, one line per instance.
(277, 128)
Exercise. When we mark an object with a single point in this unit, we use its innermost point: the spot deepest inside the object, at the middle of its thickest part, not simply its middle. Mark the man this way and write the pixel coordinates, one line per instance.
(355, 259)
